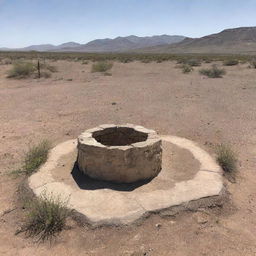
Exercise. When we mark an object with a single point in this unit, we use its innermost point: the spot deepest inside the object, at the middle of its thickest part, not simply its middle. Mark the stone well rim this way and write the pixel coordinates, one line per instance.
(86, 138)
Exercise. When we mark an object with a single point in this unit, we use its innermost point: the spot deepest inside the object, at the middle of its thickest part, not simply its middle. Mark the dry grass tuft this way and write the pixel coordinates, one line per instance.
(35, 157)
(227, 159)
(46, 217)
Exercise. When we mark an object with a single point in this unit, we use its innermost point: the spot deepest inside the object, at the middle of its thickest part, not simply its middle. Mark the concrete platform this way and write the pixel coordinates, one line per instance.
(188, 173)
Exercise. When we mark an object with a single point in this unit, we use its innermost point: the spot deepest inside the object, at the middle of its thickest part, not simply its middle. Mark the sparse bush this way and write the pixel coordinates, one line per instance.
(180, 60)
(47, 67)
(21, 70)
(213, 72)
(193, 62)
(51, 68)
(45, 74)
(7, 61)
(102, 66)
(207, 60)
(253, 64)
(85, 62)
(190, 62)
(186, 68)
(125, 60)
(46, 217)
(230, 62)
(107, 74)
(28, 69)
(146, 60)
(123, 57)
(36, 156)
(243, 61)
(226, 158)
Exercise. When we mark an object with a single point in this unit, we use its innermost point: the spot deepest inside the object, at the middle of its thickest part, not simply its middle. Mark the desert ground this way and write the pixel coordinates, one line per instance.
(155, 95)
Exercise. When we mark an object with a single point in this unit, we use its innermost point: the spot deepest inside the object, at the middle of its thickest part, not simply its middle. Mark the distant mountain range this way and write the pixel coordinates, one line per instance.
(237, 40)
(49, 47)
(118, 44)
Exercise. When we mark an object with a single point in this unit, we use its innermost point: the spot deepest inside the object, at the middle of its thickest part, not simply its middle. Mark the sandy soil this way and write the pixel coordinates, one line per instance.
(156, 96)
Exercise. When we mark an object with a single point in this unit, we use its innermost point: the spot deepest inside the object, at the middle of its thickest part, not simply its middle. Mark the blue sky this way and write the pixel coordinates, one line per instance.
(26, 22)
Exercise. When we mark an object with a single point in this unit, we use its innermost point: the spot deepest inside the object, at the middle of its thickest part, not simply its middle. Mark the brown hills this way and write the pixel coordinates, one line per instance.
(238, 40)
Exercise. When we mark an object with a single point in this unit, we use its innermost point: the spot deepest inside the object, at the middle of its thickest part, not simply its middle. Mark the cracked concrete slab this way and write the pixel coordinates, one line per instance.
(188, 173)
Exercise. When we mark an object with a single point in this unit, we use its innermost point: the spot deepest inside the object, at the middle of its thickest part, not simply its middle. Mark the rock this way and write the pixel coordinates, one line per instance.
(158, 225)
(136, 237)
(67, 133)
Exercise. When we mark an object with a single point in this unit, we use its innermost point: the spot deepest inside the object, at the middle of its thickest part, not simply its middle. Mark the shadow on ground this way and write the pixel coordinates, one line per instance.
(87, 183)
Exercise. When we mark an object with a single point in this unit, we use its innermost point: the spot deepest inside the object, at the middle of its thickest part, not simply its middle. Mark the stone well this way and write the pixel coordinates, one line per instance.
(121, 154)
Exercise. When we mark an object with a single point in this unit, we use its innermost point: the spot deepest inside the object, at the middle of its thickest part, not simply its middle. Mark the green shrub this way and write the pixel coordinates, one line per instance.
(21, 70)
(186, 68)
(193, 62)
(46, 217)
(213, 72)
(36, 156)
(226, 158)
(102, 66)
(230, 62)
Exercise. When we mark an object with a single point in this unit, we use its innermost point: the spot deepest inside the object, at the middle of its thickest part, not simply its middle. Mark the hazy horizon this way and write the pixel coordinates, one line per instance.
(28, 22)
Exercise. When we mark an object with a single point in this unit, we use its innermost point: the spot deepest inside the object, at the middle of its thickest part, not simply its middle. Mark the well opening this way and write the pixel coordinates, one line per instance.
(119, 136)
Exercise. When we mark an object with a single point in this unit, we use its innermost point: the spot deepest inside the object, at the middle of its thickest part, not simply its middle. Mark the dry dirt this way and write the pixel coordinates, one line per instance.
(157, 96)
